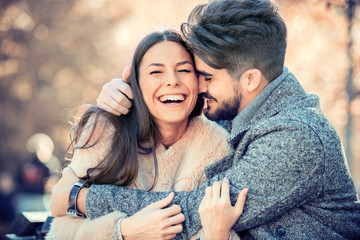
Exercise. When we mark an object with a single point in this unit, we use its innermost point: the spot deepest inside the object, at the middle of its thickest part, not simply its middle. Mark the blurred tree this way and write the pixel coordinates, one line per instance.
(56, 54)
(351, 91)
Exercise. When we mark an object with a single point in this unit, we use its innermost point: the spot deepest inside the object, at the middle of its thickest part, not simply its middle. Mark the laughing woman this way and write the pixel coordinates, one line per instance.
(161, 145)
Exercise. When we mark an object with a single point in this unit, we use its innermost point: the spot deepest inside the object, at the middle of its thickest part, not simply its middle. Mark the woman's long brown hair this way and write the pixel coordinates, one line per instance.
(135, 133)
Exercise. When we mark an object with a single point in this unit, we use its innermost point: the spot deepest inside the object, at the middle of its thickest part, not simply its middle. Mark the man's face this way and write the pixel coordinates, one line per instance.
(222, 93)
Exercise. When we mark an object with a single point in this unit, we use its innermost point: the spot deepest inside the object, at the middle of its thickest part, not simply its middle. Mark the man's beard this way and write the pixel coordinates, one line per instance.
(227, 111)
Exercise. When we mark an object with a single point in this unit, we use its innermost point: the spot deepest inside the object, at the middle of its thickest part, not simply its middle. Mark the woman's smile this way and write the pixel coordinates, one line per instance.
(168, 83)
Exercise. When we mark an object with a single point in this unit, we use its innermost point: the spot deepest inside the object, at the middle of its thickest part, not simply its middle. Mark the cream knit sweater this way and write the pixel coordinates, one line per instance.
(180, 168)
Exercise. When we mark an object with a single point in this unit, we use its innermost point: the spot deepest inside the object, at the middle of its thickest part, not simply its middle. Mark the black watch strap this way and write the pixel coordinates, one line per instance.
(72, 204)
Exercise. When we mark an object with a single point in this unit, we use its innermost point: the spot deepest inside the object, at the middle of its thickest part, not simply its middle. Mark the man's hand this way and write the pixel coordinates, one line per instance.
(156, 221)
(115, 95)
(216, 212)
(61, 191)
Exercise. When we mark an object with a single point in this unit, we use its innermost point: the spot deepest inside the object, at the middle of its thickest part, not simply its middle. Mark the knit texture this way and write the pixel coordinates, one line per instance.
(289, 156)
(181, 167)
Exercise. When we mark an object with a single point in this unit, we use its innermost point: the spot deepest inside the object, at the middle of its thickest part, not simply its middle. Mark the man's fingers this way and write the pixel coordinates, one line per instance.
(123, 87)
(105, 107)
(126, 74)
(119, 92)
(109, 103)
(163, 202)
(240, 202)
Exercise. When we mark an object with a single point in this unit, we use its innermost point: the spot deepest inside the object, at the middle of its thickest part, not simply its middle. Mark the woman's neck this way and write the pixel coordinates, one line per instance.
(170, 133)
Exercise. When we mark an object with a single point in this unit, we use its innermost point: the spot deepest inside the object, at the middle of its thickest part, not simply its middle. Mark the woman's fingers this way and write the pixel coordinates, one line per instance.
(239, 206)
(225, 190)
(208, 194)
(174, 229)
(216, 191)
(175, 219)
(163, 202)
(170, 211)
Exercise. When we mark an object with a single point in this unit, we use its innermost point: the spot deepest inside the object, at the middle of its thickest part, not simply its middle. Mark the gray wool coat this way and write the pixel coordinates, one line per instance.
(291, 159)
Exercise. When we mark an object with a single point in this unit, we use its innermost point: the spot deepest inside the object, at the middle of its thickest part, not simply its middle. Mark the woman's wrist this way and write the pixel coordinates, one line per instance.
(221, 236)
(126, 228)
(119, 235)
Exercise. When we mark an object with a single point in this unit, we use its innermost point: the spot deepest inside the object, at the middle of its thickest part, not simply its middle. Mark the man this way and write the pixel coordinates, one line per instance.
(285, 151)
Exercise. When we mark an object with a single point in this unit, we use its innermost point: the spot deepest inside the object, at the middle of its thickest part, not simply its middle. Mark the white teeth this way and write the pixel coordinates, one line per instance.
(172, 98)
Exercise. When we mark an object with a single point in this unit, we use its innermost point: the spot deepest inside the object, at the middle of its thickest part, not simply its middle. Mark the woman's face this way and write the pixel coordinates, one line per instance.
(168, 82)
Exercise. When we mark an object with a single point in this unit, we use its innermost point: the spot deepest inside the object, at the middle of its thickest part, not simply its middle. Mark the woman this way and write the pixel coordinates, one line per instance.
(161, 145)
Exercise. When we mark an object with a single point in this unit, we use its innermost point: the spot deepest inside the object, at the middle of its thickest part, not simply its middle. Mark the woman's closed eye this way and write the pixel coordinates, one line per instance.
(155, 72)
(184, 70)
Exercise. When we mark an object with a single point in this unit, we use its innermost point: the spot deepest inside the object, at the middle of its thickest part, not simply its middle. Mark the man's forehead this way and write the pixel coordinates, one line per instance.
(202, 67)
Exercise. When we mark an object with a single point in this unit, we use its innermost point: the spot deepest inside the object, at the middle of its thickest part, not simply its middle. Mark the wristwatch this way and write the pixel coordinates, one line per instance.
(72, 204)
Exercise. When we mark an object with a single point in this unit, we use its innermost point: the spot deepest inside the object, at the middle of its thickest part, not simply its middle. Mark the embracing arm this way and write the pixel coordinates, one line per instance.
(280, 176)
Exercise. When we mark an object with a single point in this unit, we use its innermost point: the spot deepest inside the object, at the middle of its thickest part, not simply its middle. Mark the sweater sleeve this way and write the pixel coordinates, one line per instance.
(97, 141)
(78, 228)
(280, 175)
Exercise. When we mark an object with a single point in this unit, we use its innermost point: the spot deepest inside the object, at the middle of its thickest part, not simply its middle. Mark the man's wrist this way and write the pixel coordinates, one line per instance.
(81, 199)
(73, 209)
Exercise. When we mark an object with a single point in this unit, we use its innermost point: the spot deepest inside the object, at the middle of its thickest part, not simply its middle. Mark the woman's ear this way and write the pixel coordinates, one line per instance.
(252, 79)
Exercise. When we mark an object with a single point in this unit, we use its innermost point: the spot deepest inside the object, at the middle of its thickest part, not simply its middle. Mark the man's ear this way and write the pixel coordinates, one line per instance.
(252, 79)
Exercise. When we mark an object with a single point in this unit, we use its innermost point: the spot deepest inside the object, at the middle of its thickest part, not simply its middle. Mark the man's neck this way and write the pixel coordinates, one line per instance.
(248, 112)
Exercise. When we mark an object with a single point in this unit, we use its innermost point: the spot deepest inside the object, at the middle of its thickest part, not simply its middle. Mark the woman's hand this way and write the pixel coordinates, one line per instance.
(114, 96)
(61, 191)
(155, 221)
(216, 212)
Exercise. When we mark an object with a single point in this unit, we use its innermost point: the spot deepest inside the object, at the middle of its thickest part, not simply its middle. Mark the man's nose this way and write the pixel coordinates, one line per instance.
(203, 86)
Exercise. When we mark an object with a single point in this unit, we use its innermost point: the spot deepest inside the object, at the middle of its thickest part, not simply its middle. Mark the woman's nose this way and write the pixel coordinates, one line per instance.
(172, 80)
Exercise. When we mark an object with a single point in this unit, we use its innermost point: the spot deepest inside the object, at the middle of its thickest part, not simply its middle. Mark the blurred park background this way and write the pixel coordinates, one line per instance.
(57, 54)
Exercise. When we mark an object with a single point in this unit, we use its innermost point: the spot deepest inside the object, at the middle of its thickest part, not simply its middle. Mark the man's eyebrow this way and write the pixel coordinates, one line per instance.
(203, 73)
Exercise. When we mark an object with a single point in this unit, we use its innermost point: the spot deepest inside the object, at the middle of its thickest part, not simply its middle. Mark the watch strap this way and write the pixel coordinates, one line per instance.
(72, 204)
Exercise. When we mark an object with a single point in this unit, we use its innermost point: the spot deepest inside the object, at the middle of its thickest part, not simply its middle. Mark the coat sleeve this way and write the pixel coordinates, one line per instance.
(282, 168)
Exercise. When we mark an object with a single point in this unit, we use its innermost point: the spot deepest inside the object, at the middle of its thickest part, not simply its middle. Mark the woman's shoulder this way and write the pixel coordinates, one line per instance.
(93, 141)
(94, 127)
(204, 126)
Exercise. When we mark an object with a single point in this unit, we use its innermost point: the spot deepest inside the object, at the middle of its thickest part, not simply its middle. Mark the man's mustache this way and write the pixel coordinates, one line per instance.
(206, 95)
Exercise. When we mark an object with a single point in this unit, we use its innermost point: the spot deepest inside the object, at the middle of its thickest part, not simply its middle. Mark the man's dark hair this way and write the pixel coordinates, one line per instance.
(238, 35)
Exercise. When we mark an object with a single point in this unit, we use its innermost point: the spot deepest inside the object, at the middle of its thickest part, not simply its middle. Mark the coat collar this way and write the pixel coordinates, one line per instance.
(282, 93)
